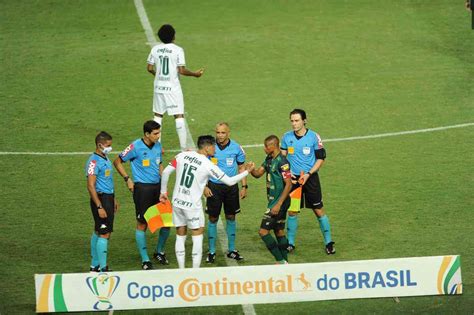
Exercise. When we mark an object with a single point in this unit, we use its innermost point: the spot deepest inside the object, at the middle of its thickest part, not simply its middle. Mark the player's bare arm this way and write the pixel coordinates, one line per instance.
(257, 173)
(151, 68)
(91, 180)
(286, 191)
(183, 71)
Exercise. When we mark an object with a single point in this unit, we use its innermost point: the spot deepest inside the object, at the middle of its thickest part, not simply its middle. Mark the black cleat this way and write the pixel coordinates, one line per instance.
(330, 249)
(146, 265)
(161, 257)
(94, 269)
(105, 269)
(235, 255)
(290, 248)
(211, 258)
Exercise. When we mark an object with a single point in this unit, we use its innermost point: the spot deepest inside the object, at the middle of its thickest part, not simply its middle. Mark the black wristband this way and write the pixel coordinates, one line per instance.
(126, 178)
(245, 186)
(99, 207)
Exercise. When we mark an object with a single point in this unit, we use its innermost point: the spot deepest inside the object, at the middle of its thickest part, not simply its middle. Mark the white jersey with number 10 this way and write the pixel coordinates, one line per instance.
(192, 174)
(167, 58)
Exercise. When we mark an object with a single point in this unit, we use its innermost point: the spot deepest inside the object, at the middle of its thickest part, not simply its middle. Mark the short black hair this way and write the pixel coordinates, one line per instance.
(272, 138)
(150, 125)
(102, 137)
(206, 140)
(166, 33)
(298, 111)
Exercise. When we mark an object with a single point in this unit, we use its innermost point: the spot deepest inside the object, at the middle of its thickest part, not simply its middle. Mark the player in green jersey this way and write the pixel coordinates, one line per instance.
(279, 185)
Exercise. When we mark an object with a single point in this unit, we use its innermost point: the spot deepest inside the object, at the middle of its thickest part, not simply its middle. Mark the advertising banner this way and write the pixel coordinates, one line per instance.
(248, 284)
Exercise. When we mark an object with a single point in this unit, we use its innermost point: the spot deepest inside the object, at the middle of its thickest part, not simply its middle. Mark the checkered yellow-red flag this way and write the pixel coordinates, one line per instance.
(295, 196)
(159, 215)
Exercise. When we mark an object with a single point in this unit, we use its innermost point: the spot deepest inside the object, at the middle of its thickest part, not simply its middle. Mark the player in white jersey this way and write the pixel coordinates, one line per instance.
(193, 170)
(166, 62)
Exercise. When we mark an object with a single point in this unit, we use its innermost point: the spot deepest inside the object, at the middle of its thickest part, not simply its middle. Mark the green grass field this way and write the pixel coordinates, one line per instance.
(72, 68)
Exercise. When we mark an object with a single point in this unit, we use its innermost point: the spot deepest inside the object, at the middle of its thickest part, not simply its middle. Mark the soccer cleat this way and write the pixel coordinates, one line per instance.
(105, 269)
(330, 249)
(94, 269)
(211, 258)
(235, 255)
(146, 265)
(282, 262)
(161, 257)
(290, 248)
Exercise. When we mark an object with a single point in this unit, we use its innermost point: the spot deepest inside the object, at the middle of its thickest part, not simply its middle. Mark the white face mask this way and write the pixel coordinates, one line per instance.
(106, 150)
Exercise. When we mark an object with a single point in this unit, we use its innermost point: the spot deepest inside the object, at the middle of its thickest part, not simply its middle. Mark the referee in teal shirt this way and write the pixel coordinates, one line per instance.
(103, 205)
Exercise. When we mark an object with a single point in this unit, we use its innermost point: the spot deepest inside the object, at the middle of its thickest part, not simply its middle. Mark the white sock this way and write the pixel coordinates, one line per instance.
(197, 250)
(181, 131)
(159, 120)
(180, 250)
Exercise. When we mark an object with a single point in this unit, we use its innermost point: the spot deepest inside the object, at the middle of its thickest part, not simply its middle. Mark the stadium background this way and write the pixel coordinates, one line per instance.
(72, 68)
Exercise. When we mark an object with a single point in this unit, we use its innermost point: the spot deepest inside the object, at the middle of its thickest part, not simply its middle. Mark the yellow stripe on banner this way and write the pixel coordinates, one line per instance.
(43, 302)
(111, 286)
(441, 272)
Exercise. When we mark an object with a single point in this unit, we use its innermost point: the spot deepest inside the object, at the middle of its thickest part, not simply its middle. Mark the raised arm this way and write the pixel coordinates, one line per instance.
(183, 71)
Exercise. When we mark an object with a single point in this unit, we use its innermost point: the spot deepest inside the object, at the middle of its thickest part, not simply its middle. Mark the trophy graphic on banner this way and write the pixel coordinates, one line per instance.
(103, 287)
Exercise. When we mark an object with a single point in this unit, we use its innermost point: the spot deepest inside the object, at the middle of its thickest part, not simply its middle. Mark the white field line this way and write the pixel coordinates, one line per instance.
(381, 135)
(247, 308)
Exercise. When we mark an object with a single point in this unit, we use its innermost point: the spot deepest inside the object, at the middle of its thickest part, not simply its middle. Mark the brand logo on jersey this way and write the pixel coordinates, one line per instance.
(193, 160)
(183, 203)
(91, 168)
(146, 163)
(164, 50)
(127, 149)
(107, 172)
(214, 160)
(214, 173)
(320, 141)
(243, 151)
(285, 167)
(291, 150)
(286, 174)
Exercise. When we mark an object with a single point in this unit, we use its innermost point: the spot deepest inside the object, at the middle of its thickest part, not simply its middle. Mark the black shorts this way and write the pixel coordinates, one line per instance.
(145, 196)
(277, 222)
(106, 225)
(312, 197)
(223, 194)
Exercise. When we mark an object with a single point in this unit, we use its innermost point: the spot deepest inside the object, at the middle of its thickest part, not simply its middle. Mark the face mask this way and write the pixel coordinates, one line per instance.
(106, 150)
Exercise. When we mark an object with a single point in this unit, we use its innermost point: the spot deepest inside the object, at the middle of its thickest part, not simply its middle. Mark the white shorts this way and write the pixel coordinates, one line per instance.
(172, 103)
(193, 219)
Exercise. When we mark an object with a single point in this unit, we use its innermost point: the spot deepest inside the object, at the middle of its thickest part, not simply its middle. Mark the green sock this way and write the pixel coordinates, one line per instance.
(272, 247)
(283, 246)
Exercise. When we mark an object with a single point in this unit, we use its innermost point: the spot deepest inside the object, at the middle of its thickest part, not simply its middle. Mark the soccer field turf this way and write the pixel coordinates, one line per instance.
(72, 68)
